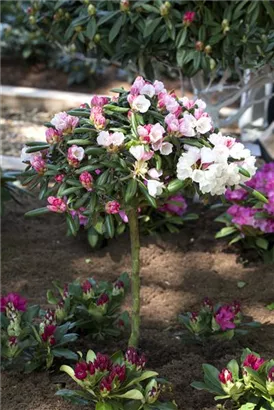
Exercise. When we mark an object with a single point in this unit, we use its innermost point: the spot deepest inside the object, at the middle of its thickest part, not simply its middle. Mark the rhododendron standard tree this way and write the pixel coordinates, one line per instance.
(112, 158)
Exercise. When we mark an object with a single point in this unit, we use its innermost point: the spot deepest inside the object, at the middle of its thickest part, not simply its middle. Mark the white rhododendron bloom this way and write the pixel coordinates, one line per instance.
(77, 152)
(141, 104)
(154, 187)
(166, 148)
(209, 167)
(159, 87)
(156, 133)
(155, 174)
(148, 89)
(26, 157)
(106, 139)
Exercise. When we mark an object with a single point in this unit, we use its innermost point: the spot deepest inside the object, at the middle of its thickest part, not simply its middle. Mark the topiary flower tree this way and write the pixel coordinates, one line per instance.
(111, 158)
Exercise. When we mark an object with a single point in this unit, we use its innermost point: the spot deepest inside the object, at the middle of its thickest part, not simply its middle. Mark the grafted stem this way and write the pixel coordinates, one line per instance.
(135, 277)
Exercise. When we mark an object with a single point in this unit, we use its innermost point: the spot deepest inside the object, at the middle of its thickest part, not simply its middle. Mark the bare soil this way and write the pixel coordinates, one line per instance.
(178, 271)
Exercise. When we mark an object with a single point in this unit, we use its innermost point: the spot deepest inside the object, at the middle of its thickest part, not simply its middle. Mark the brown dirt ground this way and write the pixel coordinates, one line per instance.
(178, 271)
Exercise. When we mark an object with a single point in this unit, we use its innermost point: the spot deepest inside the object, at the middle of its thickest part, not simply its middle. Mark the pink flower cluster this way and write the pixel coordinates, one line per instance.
(188, 18)
(56, 205)
(64, 123)
(175, 205)
(48, 334)
(112, 207)
(13, 301)
(242, 213)
(253, 361)
(86, 180)
(75, 155)
(83, 219)
(38, 164)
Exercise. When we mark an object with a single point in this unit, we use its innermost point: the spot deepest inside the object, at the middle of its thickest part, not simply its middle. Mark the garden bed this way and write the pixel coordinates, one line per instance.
(178, 272)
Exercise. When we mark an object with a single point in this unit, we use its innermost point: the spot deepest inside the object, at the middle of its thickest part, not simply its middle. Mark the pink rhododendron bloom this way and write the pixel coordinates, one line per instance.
(241, 215)
(112, 207)
(99, 101)
(144, 132)
(156, 132)
(38, 164)
(64, 122)
(59, 178)
(225, 376)
(83, 219)
(138, 84)
(225, 317)
(13, 301)
(175, 205)
(97, 117)
(56, 204)
(159, 87)
(148, 89)
(139, 152)
(171, 103)
(86, 180)
(236, 195)
(154, 173)
(270, 206)
(172, 122)
(53, 136)
(75, 155)
(188, 18)
(48, 334)
(98, 172)
(253, 361)
(187, 103)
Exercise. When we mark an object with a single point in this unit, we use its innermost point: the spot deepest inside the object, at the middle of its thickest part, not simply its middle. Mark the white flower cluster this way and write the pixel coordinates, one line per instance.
(211, 169)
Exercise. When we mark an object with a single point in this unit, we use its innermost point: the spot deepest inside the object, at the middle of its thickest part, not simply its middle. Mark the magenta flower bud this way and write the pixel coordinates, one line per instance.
(98, 172)
(225, 376)
(270, 374)
(91, 368)
(119, 372)
(59, 178)
(253, 361)
(99, 101)
(102, 362)
(225, 317)
(119, 284)
(133, 358)
(194, 317)
(56, 205)
(112, 207)
(86, 286)
(102, 300)
(53, 136)
(47, 336)
(13, 341)
(13, 301)
(175, 205)
(80, 370)
(207, 303)
(105, 385)
(236, 195)
(49, 317)
(188, 17)
(86, 180)
(38, 164)
(97, 117)
(236, 306)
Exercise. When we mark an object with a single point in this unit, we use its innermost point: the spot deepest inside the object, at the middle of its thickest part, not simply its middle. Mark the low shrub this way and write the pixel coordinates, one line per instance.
(251, 221)
(94, 308)
(117, 382)
(249, 386)
(215, 321)
(30, 337)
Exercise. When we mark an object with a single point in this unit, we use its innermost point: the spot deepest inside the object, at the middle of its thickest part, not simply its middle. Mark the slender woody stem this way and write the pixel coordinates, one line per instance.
(135, 277)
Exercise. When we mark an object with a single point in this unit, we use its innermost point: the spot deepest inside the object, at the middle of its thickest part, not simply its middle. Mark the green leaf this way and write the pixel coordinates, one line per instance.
(131, 189)
(75, 397)
(109, 224)
(234, 368)
(91, 355)
(151, 25)
(270, 306)
(116, 28)
(93, 237)
(66, 353)
(148, 197)
(51, 298)
(103, 406)
(91, 29)
(228, 230)
(71, 224)
(145, 375)
(107, 17)
(241, 284)
(262, 243)
(131, 394)
(212, 379)
(37, 212)
(175, 186)
(31, 313)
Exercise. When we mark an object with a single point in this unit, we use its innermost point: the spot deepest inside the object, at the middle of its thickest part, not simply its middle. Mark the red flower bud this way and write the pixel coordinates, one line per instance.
(132, 357)
(253, 361)
(225, 376)
(86, 286)
(102, 362)
(102, 300)
(270, 374)
(80, 370)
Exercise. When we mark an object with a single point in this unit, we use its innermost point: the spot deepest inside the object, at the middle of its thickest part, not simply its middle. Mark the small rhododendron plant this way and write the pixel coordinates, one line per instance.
(116, 382)
(251, 221)
(218, 321)
(148, 145)
(30, 337)
(249, 385)
(94, 308)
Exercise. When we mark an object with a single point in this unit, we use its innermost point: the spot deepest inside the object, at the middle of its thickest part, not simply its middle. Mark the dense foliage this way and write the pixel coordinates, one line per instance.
(248, 386)
(215, 321)
(249, 221)
(117, 382)
(94, 308)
